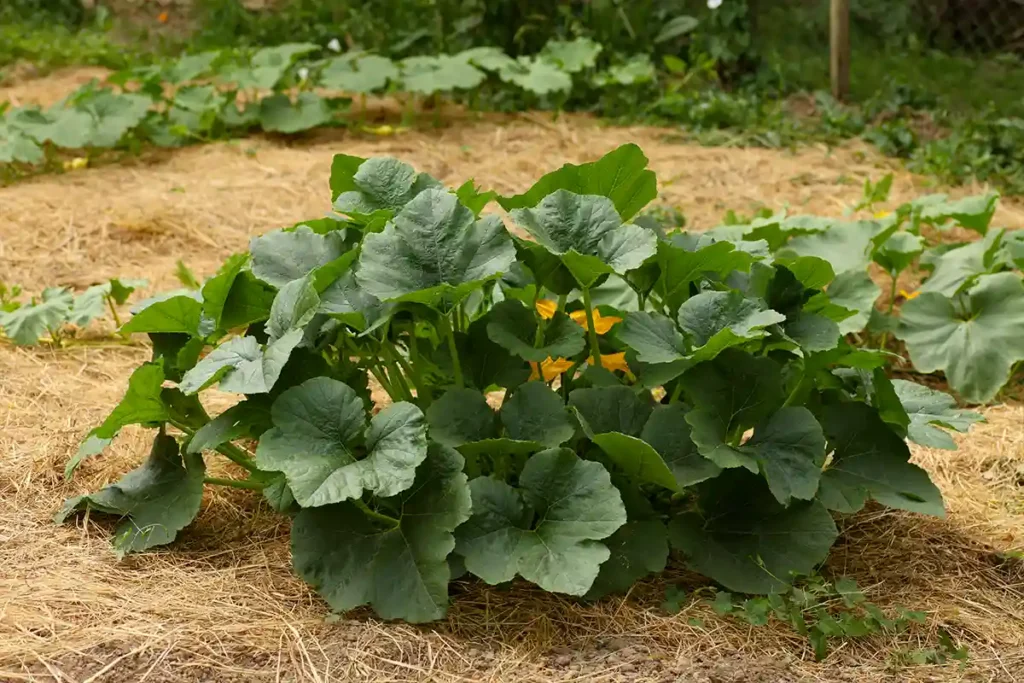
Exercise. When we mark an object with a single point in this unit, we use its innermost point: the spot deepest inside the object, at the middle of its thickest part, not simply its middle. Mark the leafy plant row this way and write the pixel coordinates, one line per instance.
(570, 403)
(221, 93)
(965, 320)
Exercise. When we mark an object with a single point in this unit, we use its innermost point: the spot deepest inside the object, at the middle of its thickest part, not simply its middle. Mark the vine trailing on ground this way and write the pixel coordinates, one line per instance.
(633, 364)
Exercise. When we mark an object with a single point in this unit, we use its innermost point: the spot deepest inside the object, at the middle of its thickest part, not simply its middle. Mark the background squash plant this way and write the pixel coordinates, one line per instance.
(534, 430)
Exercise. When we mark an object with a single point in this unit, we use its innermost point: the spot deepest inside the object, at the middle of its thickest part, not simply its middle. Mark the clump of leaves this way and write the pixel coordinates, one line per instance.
(662, 391)
(25, 323)
(966, 320)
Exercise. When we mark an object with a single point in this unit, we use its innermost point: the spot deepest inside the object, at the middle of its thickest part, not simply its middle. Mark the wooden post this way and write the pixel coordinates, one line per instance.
(840, 48)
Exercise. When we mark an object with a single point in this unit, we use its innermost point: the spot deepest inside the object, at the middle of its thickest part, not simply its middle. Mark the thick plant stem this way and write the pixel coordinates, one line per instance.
(373, 514)
(235, 483)
(454, 351)
(797, 390)
(595, 347)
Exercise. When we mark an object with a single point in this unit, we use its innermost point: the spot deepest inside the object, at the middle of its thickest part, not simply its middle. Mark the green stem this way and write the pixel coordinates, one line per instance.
(417, 382)
(373, 514)
(595, 347)
(382, 378)
(453, 350)
(235, 483)
(113, 311)
(395, 374)
(676, 392)
(229, 450)
(888, 313)
(797, 390)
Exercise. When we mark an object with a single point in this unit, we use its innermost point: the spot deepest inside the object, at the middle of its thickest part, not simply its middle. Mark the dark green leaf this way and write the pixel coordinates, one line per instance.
(434, 252)
(621, 175)
(401, 571)
(514, 326)
(548, 530)
(746, 541)
(536, 413)
(461, 416)
(869, 460)
(157, 500)
(319, 430)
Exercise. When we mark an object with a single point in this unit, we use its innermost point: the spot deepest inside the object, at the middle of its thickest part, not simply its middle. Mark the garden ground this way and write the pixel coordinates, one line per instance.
(222, 604)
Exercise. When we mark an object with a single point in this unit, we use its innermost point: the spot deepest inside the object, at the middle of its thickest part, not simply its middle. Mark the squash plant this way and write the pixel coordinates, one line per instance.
(966, 319)
(715, 411)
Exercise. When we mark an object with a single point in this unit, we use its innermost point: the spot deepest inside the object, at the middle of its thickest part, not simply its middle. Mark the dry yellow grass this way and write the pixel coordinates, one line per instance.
(222, 604)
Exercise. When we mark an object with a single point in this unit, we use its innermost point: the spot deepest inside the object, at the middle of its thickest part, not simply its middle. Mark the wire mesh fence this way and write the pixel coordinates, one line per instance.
(973, 26)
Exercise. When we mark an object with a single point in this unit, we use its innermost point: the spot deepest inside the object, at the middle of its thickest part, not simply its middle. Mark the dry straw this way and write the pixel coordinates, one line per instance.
(223, 605)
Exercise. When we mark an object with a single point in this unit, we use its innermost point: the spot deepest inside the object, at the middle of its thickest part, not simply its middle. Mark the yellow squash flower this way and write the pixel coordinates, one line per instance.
(614, 361)
(909, 295)
(601, 323)
(546, 308)
(882, 214)
(550, 368)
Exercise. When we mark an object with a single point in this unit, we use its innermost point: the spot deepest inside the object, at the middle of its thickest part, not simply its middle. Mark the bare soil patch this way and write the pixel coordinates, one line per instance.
(222, 603)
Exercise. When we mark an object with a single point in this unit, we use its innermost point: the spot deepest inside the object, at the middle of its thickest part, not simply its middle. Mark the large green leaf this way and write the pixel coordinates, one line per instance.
(869, 460)
(485, 363)
(620, 175)
(954, 268)
(328, 453)
(716, 321)
(898, 252)
(360, 73)
(573, 55)
(281, 256)
(746, 541)
(587, 233)
(789, 448)
(928, 410)
(514, 327)
(975, 338)
(536, 413)
(18, 146)
(242, 365)
(461, 416)
(537, 75)
(401, 571)
(26, 324)
(680, 267)
(246, 419)
(611, 409)
(172, 312)
(548, 530)
(430, 74)
(294, 306)
(157, 500)
(974, 212)
(653, 336)
(434, 252)
(846, 246)
(92, 303)
(854, 291)
(734, 392)
(217, 288)
(363, 186)
(668, 432)
(279, 114)
(637, 548)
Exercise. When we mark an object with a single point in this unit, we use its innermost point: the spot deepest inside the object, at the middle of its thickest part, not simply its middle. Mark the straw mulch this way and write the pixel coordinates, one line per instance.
(222, 604)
